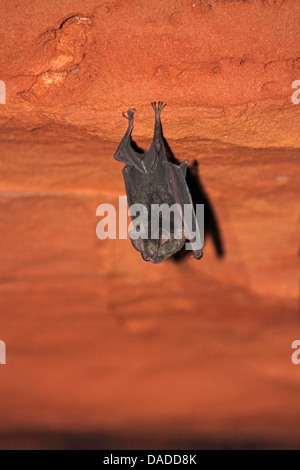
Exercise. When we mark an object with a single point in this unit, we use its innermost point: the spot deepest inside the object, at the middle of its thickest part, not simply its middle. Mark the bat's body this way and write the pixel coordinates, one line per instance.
(151, 179)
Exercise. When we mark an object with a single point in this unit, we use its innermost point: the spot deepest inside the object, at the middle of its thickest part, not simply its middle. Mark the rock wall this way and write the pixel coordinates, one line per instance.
(225, 68)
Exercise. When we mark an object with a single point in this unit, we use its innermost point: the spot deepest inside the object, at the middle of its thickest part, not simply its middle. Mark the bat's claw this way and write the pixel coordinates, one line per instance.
(129, 115)
(159, 106)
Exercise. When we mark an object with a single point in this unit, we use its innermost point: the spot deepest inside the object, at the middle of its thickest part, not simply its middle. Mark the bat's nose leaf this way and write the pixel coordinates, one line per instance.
(164, 237)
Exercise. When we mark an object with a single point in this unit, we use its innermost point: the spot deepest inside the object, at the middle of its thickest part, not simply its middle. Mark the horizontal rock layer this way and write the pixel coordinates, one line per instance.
(225, 68)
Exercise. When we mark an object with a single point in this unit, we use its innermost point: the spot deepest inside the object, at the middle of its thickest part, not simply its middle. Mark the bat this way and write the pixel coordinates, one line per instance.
(151, 180)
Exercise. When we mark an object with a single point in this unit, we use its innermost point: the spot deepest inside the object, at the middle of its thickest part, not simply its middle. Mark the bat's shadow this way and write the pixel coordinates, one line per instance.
(199, 196)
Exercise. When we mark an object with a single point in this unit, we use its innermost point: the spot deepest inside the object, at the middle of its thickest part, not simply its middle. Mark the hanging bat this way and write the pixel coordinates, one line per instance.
(152, 180)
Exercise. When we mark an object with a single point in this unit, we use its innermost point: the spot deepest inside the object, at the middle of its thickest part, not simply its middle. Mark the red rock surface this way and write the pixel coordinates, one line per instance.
(225, 67)
(103, 349)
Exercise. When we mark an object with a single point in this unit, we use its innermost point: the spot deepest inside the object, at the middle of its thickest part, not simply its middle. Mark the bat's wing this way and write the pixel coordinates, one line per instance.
(176, 180)
(129, 176)
(126, 154)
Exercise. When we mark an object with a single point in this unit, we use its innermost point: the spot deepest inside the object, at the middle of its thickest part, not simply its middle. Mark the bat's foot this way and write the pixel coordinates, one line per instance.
(130, 113)
(159, 106)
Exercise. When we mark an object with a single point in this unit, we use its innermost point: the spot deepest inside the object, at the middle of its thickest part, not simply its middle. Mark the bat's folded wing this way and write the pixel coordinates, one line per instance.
(181, 193)
(141, 161)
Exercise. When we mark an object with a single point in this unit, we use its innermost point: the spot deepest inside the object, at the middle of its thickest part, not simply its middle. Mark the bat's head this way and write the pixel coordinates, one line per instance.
(158, 249)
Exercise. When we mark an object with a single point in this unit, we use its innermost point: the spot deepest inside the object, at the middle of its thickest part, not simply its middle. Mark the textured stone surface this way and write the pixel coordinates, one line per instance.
(225, 68)
(103, 349)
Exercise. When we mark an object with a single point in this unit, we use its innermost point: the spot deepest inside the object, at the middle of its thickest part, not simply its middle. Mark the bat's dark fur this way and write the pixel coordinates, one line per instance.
(151, 179)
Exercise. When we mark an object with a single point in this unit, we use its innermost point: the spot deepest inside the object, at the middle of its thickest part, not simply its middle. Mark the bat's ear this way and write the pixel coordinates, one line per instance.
(183, 167)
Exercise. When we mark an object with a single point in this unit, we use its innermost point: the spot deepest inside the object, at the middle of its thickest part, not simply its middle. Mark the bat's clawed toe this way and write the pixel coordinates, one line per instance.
(129, 115)
(159, 106)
